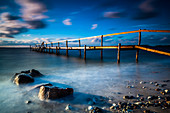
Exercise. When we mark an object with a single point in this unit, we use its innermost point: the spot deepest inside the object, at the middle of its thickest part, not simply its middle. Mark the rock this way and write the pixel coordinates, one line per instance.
(128, 97)
(96, 110)
(143, 87)
(151, 82)
(68, 107)
(156, 84)
(35, 73)
(32, 72)
(130, 86)
(22, 79)
(141, 82)
(51, 92)
(28, 102)
(90, 108)
(114, 104)
(157, 89)
(138, 103)
(166, 91)
(138, 95)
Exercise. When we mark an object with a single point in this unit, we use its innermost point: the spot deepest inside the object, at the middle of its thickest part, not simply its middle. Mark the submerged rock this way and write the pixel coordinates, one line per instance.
(51, 92)
(22, 78)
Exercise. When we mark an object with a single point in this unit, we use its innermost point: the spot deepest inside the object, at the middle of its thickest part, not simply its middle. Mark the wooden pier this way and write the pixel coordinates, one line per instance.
(44, 48)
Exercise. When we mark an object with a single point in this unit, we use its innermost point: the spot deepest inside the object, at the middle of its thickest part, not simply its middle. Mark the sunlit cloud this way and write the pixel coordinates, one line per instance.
(112, 14)
(94, 26)
(67, 22)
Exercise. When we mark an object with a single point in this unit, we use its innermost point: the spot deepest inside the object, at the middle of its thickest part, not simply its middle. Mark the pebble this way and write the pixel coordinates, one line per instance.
(151, 82)
(90, 108)
(68, 107)
(142, 82)
(28, 102)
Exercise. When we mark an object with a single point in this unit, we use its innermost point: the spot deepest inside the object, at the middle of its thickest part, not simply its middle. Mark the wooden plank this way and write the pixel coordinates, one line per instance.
(84, 52)
(153, 50)
(165, 31)
(96, 47)
(118, 53)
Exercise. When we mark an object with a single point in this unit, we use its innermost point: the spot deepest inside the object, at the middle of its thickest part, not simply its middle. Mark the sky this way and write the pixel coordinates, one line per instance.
(27, 22)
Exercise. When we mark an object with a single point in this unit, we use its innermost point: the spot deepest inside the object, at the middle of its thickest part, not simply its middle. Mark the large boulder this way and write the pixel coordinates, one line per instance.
(51, 92)
(32, 72)
(22, 78)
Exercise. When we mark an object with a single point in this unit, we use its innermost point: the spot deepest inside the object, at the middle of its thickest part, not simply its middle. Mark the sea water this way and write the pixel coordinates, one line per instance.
(92, 77)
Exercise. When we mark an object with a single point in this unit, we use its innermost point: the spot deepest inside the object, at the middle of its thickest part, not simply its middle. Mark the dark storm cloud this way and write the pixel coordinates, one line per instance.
(8, 16)
(31, 18)
(36, 24)
(144, 15)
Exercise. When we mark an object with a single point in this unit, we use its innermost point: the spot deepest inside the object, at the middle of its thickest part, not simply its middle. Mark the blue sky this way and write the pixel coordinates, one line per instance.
(25, 22)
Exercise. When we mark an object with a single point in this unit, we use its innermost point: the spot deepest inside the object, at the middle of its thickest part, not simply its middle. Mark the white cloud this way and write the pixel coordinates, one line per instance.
(112, 14)
(94, 26)
(51, 20)
(164, 38)
(67, 22)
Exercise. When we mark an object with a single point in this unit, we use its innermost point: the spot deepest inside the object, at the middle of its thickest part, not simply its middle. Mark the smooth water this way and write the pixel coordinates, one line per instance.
(94, 77)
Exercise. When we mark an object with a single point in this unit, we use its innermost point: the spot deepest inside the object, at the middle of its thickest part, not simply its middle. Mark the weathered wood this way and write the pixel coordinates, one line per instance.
(139, 40)
(153, 50)
(84, 52)
(80, 49)
(51, 46)
(101, 52)
(163, 31)
(30, 48)
(66, 48)
(118, 53)
(46, 48)
(56, 50)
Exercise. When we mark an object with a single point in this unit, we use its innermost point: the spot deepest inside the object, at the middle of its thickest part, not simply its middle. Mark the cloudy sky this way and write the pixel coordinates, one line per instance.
(25, 22)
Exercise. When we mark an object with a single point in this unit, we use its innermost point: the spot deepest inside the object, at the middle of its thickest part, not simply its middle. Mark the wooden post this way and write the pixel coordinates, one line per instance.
(101, 52)
(46, 47)
(30, 47)
(84, 52)
(118, 53)
(49, 49)
(139, 42)
(58, 47)
(56, 51)
(67, 48)
(80, 49)
(51, 46)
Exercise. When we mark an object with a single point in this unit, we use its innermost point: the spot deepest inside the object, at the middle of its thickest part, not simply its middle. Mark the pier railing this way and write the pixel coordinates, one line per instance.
(49, 49)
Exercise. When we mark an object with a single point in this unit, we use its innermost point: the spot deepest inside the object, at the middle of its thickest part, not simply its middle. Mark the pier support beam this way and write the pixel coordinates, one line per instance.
(30, 47)
(84, 52)
(46, 48)
(139, 42)
(80, 49)
(101, 52)
(51, 46)
(67, 48)
(58, 47)
(118, 53)
(56, 50)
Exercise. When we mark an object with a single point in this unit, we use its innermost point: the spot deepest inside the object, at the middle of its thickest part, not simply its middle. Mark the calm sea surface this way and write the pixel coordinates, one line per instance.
(93, 77)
